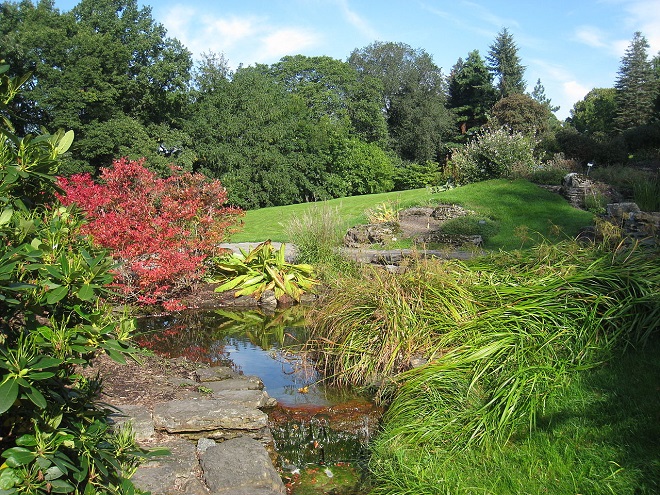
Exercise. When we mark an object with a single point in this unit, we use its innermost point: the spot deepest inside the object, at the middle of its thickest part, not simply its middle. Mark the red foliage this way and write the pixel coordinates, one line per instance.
(160, 230)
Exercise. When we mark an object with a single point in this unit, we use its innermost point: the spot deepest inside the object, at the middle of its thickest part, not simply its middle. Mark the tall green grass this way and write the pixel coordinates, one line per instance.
(503, 335)
(598, 436)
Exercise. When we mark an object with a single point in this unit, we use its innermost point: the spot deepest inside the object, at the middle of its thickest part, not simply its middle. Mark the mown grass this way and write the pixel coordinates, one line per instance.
(525, 213)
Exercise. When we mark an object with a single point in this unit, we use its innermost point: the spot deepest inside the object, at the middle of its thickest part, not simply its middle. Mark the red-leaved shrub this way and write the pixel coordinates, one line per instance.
(160, 230)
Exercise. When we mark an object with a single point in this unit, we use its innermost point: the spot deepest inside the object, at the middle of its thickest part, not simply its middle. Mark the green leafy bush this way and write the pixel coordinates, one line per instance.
(54, 435)
(549, 172)
(492, 154)
(413, 175)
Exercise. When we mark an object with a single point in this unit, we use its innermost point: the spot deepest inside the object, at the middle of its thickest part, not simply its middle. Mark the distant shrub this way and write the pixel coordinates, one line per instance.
(492, 154)
(413, 175)
(549, 172)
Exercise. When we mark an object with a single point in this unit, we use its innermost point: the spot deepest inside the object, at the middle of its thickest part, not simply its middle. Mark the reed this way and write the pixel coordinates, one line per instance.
(524, 342)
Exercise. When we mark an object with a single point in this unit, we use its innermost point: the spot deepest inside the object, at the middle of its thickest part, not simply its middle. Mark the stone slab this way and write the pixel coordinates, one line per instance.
(182, 416)
(139, 417)
(171, 474)
(240, 465)
(256, 399)
(238, 383)
(215, 373)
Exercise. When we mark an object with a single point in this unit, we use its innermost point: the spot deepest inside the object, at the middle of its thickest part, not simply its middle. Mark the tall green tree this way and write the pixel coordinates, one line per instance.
(107, 71)
(31, 41)
(656, 70)
(471, 91)
(413, 97)
(595, 113)
(331, 88)
(521, 113)
(636, 87)
(504, 62)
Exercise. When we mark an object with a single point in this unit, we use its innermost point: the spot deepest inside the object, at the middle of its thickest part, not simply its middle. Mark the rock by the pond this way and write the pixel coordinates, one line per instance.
(211, 416)
(257, 399)
(240, 382)
(226, 407)
(238, 466)
(171, 474)
(139, 418)
(215, 373)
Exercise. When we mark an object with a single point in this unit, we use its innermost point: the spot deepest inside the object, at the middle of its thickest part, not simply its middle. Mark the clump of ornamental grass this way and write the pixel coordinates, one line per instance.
(524, 344)
(593, 438)
(501, 334)
(646, 192)
(372, 326)
(318, 235)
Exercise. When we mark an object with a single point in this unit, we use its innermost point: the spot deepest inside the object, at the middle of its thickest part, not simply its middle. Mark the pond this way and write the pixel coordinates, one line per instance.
(314, 425)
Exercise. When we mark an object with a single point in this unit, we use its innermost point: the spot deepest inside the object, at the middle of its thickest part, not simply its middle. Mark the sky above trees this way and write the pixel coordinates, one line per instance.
(572, 46)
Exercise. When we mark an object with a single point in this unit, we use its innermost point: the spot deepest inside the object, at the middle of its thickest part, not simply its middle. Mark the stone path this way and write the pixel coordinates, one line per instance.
(218, 438)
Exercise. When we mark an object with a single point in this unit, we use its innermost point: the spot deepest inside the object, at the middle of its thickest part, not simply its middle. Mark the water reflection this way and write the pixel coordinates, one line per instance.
(251, 342)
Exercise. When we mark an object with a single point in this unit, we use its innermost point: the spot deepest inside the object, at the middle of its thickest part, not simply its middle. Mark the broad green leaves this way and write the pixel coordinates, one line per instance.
(55, 440)
(262, 269)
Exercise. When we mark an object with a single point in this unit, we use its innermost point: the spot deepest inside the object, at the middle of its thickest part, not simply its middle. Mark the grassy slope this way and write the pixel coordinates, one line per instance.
(511, 203)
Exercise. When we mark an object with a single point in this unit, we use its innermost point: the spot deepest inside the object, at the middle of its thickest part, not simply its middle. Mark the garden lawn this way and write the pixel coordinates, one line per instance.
(524, 212)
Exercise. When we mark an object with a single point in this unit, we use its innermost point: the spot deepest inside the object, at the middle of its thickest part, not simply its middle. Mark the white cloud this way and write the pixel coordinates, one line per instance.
(242, 39)
(231, 30)
(286, 41)
(357, 21)
(644, 16)
(591, 36)
(574, 91)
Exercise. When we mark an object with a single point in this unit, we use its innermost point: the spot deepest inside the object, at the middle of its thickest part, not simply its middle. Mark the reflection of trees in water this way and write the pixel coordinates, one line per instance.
(199, 335)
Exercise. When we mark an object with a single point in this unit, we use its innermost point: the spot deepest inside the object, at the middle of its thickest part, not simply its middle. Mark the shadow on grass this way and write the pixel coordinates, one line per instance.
(612, 415)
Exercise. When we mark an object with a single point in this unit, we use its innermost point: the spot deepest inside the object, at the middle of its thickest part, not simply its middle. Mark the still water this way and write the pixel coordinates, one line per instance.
(252, 343)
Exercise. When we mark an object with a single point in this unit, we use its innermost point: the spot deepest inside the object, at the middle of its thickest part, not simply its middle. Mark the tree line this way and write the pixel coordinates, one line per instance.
(301, 129)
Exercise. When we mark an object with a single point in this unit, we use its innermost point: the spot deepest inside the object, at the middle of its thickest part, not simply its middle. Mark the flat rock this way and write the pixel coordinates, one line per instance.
(256, 399)
(171, 474)
(240, 466)
(181, 416)
(238, 383)
(138, 416)
(215, 373)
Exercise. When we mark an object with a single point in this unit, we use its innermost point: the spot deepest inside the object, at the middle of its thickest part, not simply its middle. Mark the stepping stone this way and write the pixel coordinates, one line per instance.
(182, 416)
(138, 416)
(256, 399)
(215, 373)
(240, 466)
(239, 383)
(171, 474)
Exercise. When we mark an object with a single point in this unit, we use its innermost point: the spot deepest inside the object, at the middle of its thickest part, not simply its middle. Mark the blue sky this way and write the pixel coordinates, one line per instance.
(572, 46)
